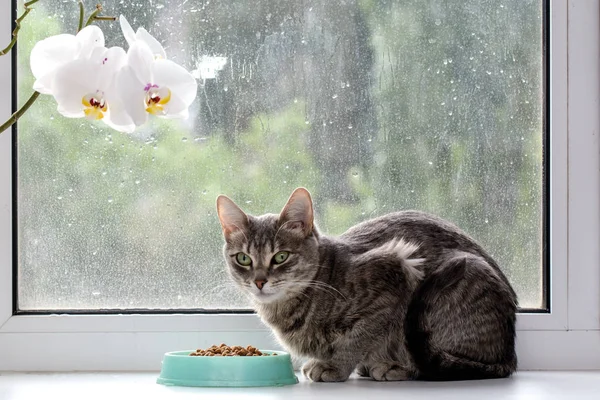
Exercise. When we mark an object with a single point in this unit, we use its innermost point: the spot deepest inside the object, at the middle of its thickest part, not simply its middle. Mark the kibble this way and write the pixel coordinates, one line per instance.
(223, 350)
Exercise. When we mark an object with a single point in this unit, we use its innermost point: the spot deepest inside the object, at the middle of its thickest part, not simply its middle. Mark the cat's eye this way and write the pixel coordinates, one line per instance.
(280, 257)
(243, 259)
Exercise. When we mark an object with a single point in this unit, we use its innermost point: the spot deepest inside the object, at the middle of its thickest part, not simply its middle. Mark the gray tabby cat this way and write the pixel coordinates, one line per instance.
(403, 296)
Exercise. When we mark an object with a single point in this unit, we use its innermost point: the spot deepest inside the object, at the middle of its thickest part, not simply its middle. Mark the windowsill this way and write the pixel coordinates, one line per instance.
(524, 385)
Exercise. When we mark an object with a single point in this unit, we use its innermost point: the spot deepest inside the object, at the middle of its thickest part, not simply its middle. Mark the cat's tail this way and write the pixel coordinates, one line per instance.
(460, 323)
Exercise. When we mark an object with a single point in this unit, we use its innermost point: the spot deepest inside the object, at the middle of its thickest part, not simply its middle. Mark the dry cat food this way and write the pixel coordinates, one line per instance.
(224, 350)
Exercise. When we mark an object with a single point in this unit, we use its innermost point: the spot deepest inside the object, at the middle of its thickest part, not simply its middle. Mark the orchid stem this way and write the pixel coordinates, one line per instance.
(81, 12)
(13, 118)
(18, 27)
(94, 14)
(104, 18)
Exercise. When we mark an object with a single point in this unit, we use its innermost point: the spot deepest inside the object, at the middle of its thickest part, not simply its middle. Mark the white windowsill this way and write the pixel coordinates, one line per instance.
(89, 386)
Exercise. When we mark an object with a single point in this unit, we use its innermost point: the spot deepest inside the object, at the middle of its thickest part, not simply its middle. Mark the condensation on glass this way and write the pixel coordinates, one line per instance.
(374, 106)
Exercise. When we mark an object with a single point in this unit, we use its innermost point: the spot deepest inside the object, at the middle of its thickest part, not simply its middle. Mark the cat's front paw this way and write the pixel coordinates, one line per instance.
(389, 371)
(319, 371)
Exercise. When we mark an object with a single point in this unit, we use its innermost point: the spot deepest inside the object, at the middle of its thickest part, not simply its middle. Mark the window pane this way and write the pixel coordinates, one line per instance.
(373, 105)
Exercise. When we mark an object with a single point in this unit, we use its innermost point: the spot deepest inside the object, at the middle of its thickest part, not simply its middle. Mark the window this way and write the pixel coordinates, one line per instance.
(374, 106)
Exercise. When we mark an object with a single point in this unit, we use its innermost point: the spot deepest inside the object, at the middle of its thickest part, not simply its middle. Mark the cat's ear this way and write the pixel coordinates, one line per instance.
(232, 218)
(298, 212)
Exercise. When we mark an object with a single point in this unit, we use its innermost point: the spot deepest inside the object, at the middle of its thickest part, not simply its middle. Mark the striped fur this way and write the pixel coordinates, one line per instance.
(403, 296)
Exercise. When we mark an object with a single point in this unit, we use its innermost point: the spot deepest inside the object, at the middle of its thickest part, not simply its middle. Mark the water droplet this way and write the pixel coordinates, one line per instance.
(59, 197)
(104, 173)
(95, 252)
(430, 162)
(295, 101)
(204, 191)
(248, 201)
(184, 139)
(95, 294)
(225, 88)
(450, 113)
(110, 199)
(334, 96)
(438, 22)
(355, 174)
(486, 221)
(307, 122)
(488, 72)
(349, 126)
(137, 181)
(445, 62)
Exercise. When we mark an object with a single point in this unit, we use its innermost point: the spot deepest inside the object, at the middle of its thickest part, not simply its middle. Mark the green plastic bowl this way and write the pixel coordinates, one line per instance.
(181, 369)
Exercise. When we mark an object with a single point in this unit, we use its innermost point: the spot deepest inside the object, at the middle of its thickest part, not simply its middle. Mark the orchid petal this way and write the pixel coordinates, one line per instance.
(157, 50)
(127, 30)
(89, 38)
(109, 62)
(118, 119)
(71, 83)
(176, 78)
(131, 91)
(49, 54)
(140, 58)
(177, 109)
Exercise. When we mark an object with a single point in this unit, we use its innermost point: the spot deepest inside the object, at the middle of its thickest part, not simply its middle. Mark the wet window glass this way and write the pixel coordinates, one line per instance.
(373, 105)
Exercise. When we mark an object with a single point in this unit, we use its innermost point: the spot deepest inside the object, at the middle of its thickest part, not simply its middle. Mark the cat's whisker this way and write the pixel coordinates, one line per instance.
(320, 285)
(224, 285)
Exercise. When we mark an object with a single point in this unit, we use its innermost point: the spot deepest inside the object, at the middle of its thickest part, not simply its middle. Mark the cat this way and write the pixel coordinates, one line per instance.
(403, 296)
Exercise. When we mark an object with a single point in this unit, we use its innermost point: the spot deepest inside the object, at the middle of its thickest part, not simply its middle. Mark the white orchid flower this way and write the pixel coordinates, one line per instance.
(142, 35)
(154, 86)
(87, 88)
(50, 54)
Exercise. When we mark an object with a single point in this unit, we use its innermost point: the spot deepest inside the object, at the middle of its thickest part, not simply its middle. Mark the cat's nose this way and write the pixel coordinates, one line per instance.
(260, 283)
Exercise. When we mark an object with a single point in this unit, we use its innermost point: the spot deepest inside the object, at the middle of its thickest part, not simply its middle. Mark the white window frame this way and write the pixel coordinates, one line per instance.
(566, 338)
